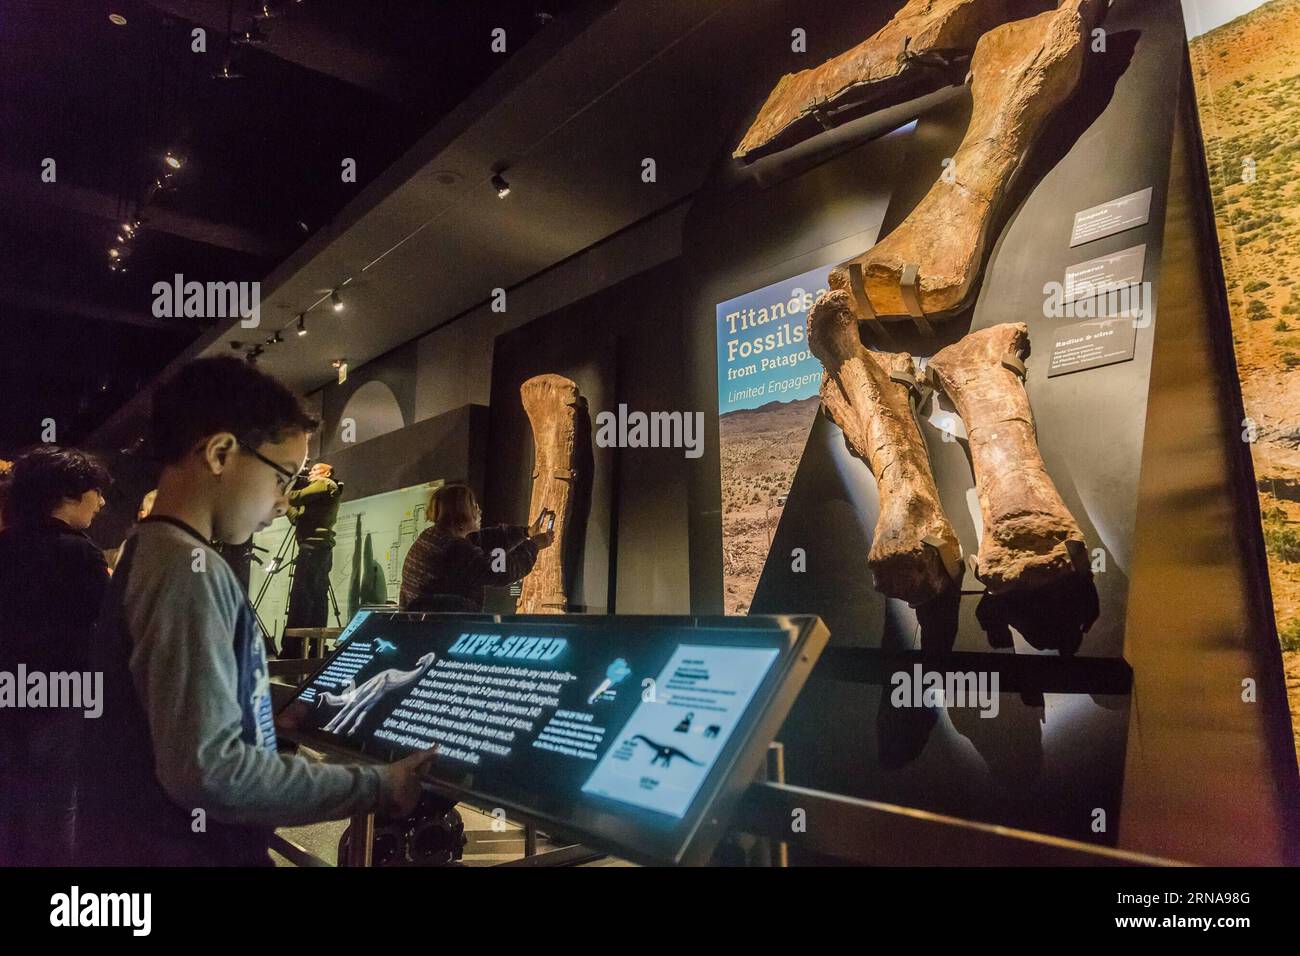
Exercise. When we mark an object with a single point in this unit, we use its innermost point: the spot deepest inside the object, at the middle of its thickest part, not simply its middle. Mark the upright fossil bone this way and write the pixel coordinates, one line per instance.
(1022, 72)
(922, 34)
(552, 403)
(1030, 538)
(914, 551)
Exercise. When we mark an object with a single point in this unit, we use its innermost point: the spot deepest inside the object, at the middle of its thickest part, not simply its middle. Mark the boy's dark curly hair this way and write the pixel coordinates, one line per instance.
(227, 394)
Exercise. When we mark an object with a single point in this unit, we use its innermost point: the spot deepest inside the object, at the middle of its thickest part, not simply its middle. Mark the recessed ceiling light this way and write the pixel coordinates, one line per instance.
(117, 19)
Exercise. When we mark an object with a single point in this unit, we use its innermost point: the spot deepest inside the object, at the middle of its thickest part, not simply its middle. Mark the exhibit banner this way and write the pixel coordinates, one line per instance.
(768, 383)
(1244, 59)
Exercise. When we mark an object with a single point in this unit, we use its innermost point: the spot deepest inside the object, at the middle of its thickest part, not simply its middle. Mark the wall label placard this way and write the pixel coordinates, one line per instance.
(1092, 344)
(1105, 273)
(1112, 217)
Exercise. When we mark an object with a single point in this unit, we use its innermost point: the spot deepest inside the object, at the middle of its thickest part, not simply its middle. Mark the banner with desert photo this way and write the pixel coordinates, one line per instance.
(1245, 57)
(768, 384)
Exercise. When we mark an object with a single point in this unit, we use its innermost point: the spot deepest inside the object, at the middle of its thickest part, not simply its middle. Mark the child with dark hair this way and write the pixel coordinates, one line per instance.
(52, 580)
(183, 769)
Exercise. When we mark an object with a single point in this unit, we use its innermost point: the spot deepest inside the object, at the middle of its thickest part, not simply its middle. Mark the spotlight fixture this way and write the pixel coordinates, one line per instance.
(275, 339)
(253, 36)
(302, 324)
(172, 160)
(128, 229)
(266, 11)
(500, 185)
(543, 17)
(336, 300)
(114, 254)
(117, 19)
(227, 72)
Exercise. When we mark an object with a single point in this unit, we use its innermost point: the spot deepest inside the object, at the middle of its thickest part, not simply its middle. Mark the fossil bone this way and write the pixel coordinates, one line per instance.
(1022, 72)
(914, 551)
(1030, 538)
(552, 403)
(923, 32)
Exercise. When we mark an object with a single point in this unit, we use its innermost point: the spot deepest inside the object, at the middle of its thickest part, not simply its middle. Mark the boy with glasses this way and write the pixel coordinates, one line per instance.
(182, 767)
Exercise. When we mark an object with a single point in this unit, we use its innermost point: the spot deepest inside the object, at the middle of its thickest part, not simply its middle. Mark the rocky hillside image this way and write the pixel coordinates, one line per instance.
(760, 449)
(1247, 76)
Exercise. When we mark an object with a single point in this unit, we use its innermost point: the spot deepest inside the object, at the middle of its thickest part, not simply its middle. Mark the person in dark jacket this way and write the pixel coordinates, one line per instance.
(52, 580)
(313, 511)
(455, 559)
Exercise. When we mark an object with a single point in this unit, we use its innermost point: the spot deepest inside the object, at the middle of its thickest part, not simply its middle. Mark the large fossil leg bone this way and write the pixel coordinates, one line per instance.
(552, 405)
(1021, 74)
(921, 34)
(914, 550)
(1030, 538)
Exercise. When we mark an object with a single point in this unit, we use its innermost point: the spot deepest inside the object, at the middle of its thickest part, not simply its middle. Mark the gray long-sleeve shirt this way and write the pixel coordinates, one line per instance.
(187, 723)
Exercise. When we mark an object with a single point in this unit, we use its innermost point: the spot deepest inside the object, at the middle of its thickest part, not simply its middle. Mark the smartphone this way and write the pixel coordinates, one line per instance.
(550, 522)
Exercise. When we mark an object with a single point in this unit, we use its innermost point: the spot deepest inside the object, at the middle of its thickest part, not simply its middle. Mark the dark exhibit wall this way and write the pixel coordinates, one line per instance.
(363, 432)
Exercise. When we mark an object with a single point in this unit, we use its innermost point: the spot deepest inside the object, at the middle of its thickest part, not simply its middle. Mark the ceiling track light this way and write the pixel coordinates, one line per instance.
(500, 185)
(172, 160)
(302, 324)
(253, 36)
(266, 11)
(336, 300)
(227, 72)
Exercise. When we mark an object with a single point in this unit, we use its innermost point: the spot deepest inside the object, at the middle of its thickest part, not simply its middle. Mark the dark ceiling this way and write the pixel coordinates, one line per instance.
(262, 161)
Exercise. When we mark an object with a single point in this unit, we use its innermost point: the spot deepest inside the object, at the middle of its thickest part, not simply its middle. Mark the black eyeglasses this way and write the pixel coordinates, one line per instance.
(285, 474)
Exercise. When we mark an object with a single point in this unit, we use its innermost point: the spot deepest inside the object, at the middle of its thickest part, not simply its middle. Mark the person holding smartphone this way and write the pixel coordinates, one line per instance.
(451, 563)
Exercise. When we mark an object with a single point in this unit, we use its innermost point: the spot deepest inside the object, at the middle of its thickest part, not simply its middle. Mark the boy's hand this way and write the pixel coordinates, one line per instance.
(543, 539)
(404, 779)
